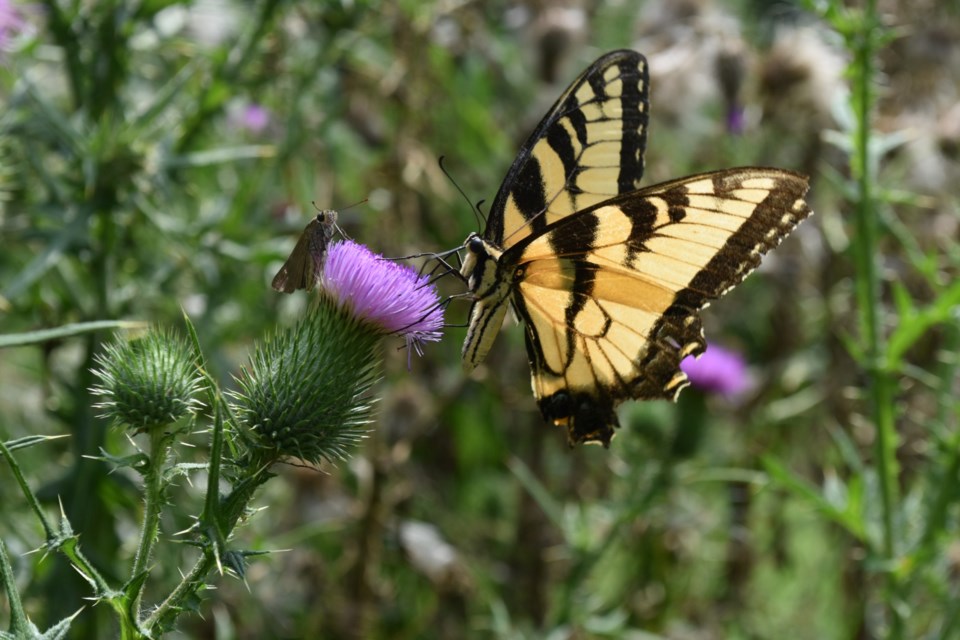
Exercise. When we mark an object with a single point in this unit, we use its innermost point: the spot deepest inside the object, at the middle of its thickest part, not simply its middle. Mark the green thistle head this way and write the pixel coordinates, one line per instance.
(149, 382)
(306, 393)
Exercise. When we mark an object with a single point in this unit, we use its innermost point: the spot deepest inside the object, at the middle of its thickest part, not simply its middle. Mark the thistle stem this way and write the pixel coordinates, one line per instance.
(189, 585)
(232, 506)
(19, 625)
(153, 501)
(880, 390)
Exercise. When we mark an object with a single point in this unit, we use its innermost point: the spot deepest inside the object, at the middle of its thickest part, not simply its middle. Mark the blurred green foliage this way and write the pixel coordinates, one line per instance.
(135, 181)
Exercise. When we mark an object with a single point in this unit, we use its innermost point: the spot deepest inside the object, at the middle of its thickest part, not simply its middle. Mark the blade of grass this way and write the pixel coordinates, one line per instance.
(66, 331)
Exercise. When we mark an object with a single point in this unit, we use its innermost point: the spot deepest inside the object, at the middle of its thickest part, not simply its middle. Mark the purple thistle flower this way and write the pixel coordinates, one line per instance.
(717, 370)
(390, 296)
(736, 119)
(255, 118)
(11, 22)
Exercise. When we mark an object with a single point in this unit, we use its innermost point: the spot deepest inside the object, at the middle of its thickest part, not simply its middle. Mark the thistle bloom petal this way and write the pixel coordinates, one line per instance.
(717, 370)
(11, 21)
(387, 295)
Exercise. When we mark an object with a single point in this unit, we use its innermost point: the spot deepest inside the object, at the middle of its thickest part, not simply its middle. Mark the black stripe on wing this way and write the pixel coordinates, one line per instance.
(565, 131)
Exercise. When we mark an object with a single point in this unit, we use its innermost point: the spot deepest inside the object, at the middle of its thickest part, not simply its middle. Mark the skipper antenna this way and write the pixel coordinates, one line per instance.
(349, 206)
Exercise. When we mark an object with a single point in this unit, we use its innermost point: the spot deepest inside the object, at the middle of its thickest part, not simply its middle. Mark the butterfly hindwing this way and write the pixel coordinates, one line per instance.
(587, 148)
(611, 310)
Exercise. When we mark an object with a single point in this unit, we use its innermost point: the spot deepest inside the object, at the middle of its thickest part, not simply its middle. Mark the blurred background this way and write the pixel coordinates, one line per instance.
(161, 157)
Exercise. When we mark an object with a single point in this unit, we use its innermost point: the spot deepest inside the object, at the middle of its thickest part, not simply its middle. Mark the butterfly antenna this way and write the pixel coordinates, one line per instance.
(481, 220)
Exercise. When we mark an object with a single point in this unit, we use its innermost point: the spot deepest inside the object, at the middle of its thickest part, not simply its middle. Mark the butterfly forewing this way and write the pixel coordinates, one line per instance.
(588, 148)
(302, 268)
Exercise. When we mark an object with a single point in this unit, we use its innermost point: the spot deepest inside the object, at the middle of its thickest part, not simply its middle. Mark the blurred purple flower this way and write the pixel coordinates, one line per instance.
(390, 296)
(254, 118)
(717, 370)
(11, 21)
(736, 119)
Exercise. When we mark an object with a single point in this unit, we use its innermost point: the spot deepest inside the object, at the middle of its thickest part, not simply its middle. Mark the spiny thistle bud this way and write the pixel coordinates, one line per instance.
(147, 382)
(306, 393)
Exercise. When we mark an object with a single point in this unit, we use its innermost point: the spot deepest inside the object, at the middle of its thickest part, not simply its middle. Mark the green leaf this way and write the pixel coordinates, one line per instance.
(149, 115)
(52, 121)
(902, 299)
(551, 507)
(67, 330)
(211, 518)
(222, 156)
(137, 461)
(847, 448)
(60, 629)
(839, 502)
(236, 561)
(29, 441)
(20, 626)
(129, 597)
(915, 324)
(48, 257)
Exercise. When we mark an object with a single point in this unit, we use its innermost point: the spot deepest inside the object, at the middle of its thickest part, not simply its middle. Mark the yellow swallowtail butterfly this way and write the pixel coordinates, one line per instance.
(606, 277)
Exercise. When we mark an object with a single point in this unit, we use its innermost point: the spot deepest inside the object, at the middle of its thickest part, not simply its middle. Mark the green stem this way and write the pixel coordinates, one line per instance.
(28, 494)
(881, 388)
(153, 502)
(232, 507)
(63, 541)
(19, 625)
(188, 586)
(61, 26)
